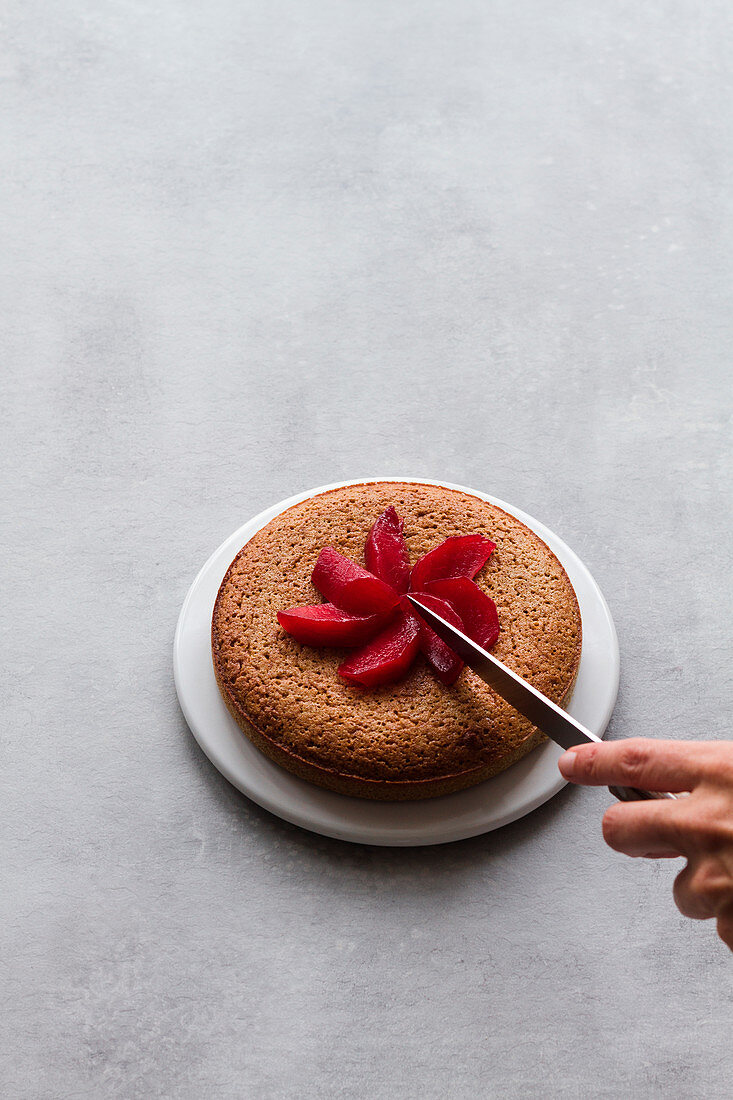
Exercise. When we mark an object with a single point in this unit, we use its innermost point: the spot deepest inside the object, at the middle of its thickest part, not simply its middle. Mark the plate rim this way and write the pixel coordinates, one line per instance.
(359, 833)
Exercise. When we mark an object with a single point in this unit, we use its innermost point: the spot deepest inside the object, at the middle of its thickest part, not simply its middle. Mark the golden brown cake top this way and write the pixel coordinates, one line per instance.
(417, 728)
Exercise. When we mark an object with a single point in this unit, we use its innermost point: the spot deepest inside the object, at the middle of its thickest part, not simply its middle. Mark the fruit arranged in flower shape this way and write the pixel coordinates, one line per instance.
(366, 607)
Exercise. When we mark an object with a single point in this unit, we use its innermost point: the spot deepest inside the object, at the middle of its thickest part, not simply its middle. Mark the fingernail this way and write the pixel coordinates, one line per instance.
(567, 762)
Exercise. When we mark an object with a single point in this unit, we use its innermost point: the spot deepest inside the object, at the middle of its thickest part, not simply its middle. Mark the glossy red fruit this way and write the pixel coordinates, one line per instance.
(459, 556)
(476, 610)
(326, 624)
(386, 554)
(387, 657)
(350, 586)
(446, 664)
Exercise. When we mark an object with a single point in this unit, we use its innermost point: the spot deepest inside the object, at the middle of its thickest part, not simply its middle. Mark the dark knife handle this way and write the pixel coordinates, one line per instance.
(632, 794)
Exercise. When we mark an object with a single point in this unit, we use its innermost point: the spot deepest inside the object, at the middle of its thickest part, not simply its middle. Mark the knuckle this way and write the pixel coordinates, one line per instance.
(588, 761)
(701, 883)
(701, 890)
(683, 897)
(634, 757)
(715, 884)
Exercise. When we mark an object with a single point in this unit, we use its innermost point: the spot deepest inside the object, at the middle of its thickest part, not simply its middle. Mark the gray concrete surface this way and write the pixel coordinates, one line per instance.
(249, 248)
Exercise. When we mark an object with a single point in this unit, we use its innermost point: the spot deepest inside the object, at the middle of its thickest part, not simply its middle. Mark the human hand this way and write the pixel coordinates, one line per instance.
(698, 827)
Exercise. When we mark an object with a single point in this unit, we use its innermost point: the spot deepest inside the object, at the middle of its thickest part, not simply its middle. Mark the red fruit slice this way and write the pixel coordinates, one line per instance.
(459, 556)
(326, 624)
(476, 610)
(386, 554)
(445, 663)
(350, 586)
(387, 657)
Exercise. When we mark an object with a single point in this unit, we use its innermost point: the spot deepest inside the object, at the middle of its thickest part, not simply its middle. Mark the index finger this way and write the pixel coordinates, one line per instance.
(638, 762)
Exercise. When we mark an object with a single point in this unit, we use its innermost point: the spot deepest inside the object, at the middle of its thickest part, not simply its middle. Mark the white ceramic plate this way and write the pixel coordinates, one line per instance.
(517, 791)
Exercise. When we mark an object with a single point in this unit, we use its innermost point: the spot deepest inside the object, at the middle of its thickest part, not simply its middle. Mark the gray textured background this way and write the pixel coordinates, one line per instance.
(249, 248)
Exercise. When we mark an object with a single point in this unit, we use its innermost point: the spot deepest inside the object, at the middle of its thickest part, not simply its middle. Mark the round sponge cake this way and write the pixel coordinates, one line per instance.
(416, 738)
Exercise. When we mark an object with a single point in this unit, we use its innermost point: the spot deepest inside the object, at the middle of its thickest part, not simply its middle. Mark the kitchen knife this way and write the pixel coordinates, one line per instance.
(541, 711)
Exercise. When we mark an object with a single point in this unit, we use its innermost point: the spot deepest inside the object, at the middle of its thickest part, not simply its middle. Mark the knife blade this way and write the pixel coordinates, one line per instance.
(565, 730)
